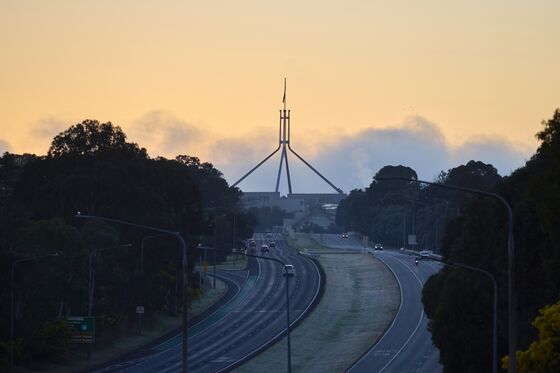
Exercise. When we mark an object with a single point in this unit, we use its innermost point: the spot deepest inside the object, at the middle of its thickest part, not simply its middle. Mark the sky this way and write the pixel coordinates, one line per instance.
(429, 84)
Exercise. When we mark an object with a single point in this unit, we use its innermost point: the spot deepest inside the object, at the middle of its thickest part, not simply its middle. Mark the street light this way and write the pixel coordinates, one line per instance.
(184, 270)
(494, 306)
(14, 264)
(511, 255)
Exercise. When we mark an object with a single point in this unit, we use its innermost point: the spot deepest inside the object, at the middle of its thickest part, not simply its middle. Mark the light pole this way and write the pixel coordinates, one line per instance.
(184, 270)
(494, 306)
(14, 264)
(512, 348)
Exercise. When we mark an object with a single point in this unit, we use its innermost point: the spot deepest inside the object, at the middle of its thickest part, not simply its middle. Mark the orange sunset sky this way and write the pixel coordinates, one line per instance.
(205, 78)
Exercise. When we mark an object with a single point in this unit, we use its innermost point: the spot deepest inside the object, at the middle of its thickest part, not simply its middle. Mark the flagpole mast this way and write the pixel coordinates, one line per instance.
(283, 140)
(284, 118)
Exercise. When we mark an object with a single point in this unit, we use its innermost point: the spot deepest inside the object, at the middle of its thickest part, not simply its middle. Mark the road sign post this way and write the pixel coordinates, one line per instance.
(140, 312)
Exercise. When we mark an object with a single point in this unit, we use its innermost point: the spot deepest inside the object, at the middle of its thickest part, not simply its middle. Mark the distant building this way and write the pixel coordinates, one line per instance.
(272, 199)
(294, 202)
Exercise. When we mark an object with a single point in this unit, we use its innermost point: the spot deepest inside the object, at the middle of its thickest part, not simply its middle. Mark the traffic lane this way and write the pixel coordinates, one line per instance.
(419, 355)
(406, 323)
(213, 348)
(244, 328)
(233, 281)
(271, 316)
(168, 355)
(169, 360)
(245, 325)
(300, 301)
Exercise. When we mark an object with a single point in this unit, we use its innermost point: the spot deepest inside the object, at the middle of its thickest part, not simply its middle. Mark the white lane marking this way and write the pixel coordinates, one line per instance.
(419, 321)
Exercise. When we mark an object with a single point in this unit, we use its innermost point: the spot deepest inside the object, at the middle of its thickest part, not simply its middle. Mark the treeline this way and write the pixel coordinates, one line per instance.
(388, 211)
(459, 303)
(91, 168)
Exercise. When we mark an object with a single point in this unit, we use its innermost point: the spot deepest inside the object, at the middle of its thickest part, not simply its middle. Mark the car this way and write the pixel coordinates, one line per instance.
(289, 270)
(264, 249)
(272, 244)
(269, 235)
(252, 243)
(425, 254)
(344, 235)
(378, 247)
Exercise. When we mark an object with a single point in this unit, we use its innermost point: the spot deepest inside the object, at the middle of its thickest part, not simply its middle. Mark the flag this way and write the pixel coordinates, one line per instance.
(284, 97)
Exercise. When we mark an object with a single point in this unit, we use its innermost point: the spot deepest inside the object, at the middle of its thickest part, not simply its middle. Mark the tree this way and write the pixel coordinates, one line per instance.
(479, 238)
(543, 356)
(90, 137)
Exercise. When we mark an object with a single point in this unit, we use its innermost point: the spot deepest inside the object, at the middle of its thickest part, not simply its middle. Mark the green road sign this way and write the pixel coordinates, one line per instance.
(82, 329)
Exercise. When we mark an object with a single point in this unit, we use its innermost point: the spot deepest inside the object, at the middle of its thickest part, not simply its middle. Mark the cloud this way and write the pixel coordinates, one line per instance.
(348, 161)
(48, 127)
(4, 147)
(351, 161)
(499, 151)
(166, 135)
(43, 131)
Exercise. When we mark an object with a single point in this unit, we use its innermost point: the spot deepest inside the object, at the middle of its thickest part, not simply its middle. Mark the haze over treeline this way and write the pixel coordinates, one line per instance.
(347, 159)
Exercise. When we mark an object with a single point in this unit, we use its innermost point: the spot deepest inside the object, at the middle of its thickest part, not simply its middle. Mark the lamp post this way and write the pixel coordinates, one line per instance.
(12, 339)
(184, 271)
(511, 256)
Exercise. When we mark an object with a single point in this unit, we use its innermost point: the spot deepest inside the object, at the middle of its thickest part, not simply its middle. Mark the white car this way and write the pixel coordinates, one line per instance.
(289, 270)
(425, 253)
(264, 249)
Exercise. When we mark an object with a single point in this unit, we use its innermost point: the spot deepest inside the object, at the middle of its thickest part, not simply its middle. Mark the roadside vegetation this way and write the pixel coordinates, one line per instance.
(472, 230)
(91, 168)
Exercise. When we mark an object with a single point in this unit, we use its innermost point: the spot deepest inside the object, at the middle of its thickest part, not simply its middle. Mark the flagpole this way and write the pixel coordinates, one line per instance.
(284, 98)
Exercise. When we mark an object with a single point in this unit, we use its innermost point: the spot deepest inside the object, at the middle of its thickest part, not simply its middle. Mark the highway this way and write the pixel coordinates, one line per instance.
(406, 346)
(253, 318)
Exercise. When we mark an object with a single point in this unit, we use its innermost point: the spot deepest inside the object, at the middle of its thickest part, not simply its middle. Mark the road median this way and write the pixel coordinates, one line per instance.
(360, 300)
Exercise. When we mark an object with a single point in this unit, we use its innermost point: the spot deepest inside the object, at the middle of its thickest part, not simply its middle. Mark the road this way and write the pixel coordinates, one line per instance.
(406, 346)
(253, 319)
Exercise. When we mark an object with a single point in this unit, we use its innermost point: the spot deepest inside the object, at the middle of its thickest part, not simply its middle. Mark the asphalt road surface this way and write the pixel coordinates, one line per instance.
(406, 346)
(250, 321)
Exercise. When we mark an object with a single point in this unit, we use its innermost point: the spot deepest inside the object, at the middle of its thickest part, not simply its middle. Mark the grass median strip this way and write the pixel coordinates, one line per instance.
(360, 300)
